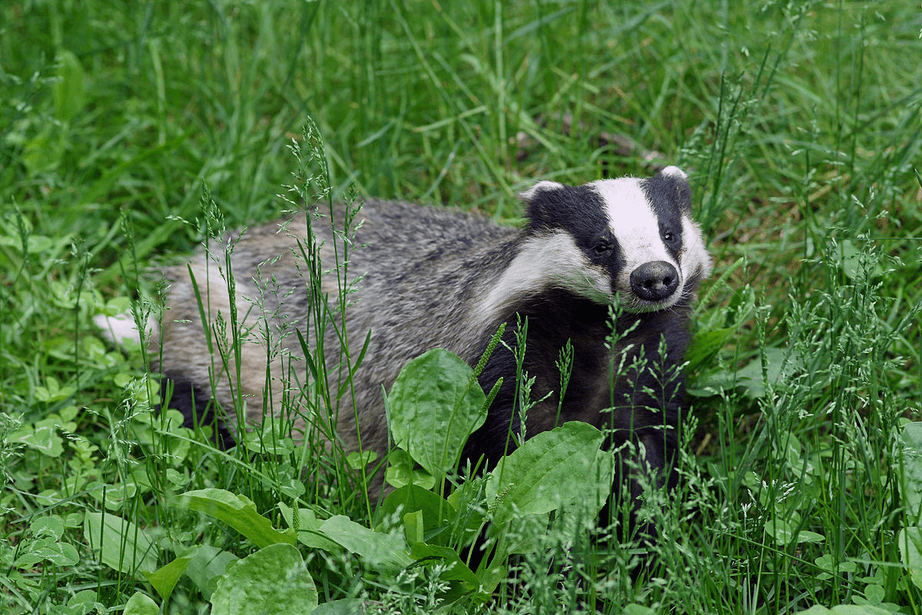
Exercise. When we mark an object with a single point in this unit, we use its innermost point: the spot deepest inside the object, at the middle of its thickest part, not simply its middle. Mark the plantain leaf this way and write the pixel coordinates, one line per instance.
(380, 550)
(271, 581)
(435, 404)
(164, 579)
(911, 470)
(910, 544)
(69, 89)
(237, 511)
(141, 604)
(550, 469)
(846, 609)
(122, 545)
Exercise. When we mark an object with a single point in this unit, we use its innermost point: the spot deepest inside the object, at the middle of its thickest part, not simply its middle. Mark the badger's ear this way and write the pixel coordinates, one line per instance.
(542, 186)
(675, 173)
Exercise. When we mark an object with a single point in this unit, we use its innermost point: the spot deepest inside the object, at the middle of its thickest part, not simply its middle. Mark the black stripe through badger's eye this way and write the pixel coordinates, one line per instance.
(602, 248)
(669, 238)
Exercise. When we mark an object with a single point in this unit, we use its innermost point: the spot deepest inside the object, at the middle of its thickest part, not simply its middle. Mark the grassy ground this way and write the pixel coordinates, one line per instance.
(799, 125)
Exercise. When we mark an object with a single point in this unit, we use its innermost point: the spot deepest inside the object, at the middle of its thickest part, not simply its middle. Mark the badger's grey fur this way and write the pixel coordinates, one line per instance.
(430, 278)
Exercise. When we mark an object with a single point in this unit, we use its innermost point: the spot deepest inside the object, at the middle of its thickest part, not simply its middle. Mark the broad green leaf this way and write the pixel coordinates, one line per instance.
(346, 606)
(910, 543)
(851, 260)
(402, 471)
(807, 536)
(601, 474)
(875, 594)
(47, 550)
(308, 527)
(777, 367)
(62, 554)
(122, 545)
(379, 550)
(35, 244)
(414, 527)
(44, 151)
(270, 581)
(828, 563)
(85, 601)
(47, 526)
(437, 513)
(165, 578)
(846, 609)
(52, 391)
(207, 565)
(357, 460)
(266, 443)
(435, 405)
(911, 471)
(141, 604)
(457, 570)
(69, 91)
(113, 497)
(552, 468)
(237, 511)
(780, 530)
(705, 346)
(44, 439)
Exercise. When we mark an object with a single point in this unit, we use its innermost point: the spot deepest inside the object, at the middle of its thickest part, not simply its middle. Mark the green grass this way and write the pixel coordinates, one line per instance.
(800, 126)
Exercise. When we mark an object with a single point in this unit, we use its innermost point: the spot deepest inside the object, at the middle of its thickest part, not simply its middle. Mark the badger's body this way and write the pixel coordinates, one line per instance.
(427, 278)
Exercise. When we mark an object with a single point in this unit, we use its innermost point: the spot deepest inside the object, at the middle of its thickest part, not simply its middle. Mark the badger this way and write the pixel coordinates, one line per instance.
(610, 268)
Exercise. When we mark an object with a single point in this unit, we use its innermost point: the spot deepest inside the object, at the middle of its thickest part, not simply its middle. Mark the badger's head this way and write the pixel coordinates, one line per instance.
(634, 238)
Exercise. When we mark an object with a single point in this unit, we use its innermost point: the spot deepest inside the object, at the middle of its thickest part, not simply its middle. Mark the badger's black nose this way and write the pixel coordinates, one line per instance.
(654, 281)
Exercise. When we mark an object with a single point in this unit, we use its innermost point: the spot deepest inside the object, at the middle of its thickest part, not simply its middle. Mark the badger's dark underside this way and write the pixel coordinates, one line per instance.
(197, 406)
(620, 382)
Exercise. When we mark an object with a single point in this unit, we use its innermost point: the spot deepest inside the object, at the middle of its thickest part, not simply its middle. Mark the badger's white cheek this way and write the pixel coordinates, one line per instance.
(551, 260)
(694, 255)
(570, 269)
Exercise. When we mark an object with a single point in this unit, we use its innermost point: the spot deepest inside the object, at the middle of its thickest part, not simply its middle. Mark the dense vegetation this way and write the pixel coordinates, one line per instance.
(129, 130)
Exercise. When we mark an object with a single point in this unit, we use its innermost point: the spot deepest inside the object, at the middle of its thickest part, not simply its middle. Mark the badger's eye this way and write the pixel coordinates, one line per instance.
(668, 236)
(602, 248)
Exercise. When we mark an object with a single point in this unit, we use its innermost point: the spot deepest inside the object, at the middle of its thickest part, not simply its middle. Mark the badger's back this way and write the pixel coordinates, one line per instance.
(412, 273)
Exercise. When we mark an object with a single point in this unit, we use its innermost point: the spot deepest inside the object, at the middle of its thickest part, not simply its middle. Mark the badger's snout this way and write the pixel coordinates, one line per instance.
(654, 281)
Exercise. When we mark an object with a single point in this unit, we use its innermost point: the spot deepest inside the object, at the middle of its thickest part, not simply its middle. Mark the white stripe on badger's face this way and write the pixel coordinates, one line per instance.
(694, 254)
(550, 260)
(637, 231)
